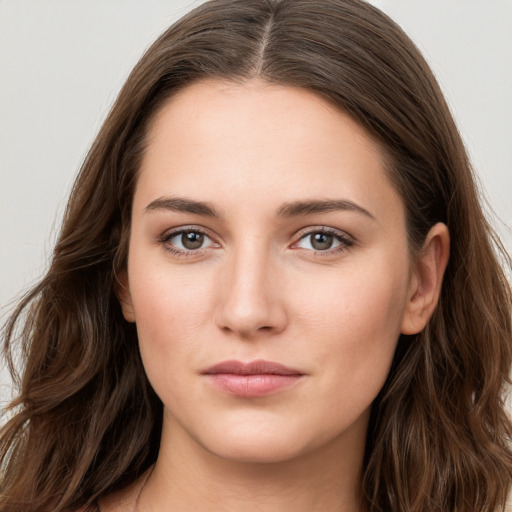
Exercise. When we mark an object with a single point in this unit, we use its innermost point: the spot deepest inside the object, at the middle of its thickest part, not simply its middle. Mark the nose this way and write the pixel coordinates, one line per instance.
(252, 299)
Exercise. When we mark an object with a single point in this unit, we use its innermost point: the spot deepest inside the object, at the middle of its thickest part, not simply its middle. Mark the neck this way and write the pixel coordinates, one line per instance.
(188, 477)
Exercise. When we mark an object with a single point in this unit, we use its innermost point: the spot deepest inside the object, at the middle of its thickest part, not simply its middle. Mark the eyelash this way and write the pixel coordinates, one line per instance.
(345, 241)
(169, 235)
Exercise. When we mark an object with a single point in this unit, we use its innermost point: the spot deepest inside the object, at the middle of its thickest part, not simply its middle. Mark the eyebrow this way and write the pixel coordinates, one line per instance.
(293, 209)
(300, 208)
(181, 204)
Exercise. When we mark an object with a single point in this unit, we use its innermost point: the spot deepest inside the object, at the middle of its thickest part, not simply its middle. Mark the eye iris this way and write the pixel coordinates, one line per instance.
(192, 240)
(321, 241)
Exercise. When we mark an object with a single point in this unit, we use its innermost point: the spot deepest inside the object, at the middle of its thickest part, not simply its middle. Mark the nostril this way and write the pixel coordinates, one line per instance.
(246, 331)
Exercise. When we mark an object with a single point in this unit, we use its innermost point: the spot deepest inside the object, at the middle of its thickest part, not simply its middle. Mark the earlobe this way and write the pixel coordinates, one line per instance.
(124, 297)
(426, 280)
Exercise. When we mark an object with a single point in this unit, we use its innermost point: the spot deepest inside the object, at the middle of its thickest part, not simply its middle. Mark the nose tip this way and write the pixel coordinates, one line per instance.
(251, 313)
(251, 304)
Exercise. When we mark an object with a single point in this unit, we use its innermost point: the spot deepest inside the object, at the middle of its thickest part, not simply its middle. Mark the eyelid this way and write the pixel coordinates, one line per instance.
(346, 240)
(167, 235)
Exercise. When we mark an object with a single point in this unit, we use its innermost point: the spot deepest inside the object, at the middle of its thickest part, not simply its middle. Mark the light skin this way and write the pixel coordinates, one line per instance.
(264, 227)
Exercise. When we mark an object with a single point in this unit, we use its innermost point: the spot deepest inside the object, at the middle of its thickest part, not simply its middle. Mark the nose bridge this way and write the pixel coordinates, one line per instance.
(250, 301)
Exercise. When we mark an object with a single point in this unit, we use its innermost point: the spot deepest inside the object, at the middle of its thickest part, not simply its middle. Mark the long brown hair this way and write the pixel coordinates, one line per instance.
(87, 422)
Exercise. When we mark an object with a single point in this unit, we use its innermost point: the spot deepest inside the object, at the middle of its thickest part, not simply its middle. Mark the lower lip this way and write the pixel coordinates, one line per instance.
(251, 386)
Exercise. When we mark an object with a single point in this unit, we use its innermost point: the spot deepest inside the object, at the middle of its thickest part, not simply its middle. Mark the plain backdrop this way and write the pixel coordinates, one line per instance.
(62, 63)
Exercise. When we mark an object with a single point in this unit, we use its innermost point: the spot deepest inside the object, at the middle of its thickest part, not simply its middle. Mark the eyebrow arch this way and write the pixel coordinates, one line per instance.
(181, 204)
(300, 208)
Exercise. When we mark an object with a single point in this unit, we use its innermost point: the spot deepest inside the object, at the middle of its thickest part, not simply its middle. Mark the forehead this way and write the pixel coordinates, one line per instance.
(242, 142)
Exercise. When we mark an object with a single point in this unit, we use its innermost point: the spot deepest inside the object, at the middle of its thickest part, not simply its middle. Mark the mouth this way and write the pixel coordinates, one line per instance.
(250, 380)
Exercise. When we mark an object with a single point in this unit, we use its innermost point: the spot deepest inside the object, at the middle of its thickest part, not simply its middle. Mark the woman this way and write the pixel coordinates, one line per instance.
(274, 286)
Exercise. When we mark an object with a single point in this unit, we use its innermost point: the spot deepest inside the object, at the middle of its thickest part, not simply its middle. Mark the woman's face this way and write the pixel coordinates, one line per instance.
(268, 272)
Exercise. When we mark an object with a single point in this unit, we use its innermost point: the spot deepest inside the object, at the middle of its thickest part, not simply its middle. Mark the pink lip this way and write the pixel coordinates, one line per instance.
(250, 380)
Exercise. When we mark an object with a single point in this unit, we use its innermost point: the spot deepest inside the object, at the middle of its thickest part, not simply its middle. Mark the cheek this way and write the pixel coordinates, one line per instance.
(356, 299)
(171, 309)
(354, 320)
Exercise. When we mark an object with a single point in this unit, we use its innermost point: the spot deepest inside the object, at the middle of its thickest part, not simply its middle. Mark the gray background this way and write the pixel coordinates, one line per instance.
(62, 63)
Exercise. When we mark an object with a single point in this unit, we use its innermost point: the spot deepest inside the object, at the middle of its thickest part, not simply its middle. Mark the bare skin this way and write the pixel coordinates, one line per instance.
(264, 227)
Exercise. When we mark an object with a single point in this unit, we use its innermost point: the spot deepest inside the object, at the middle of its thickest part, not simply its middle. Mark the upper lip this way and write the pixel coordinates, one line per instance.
(252, 368)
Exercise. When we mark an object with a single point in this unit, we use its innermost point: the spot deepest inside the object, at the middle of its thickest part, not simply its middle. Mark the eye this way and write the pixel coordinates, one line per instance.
(187, 240)
(324, 240)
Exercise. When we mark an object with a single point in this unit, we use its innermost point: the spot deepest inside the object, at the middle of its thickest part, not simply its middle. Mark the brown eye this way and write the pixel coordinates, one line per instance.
(188, 240)
(192, 240)
(321, 241)
(324, 241)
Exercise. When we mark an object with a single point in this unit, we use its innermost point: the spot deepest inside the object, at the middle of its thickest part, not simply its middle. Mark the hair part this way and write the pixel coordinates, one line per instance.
(87, 421)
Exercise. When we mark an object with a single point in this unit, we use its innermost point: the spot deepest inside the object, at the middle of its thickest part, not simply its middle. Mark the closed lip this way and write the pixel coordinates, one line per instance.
(258, 367)
(252, 380)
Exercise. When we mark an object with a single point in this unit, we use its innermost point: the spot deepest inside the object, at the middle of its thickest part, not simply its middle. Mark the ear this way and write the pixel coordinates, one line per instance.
(124, 296)
(426, 279)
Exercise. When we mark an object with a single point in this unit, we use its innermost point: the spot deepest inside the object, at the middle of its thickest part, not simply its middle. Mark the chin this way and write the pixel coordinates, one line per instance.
(263, 446)
(254, 452)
